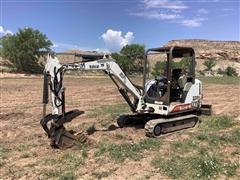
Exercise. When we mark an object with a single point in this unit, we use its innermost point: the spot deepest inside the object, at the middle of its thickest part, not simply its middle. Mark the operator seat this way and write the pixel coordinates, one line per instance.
(175, 89)
(182, 81)
(185, 85)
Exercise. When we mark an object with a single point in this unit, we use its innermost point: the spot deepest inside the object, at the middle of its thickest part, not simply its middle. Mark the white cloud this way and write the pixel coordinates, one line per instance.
(166, 4)
(157, 15)
(173, 11)
(228, 12)
(227, 9)
(114, 40)
(66, 46)
(58, 47)
(5, 31)
(196, 22)
(104, 51)
(1, 29)
(202, 11)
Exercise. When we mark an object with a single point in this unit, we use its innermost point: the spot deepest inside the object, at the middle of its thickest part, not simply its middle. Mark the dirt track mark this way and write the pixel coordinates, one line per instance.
(8, 116)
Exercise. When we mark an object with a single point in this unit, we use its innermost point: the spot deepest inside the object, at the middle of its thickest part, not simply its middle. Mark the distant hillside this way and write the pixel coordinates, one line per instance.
(226, 53)
(206, 49)
(81, 55)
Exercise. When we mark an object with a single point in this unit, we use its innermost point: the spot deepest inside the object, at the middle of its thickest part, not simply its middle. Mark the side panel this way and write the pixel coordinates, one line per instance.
(194, 94)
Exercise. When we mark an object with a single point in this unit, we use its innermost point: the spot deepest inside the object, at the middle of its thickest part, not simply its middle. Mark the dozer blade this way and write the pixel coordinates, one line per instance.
(206, 109)
(58, 135)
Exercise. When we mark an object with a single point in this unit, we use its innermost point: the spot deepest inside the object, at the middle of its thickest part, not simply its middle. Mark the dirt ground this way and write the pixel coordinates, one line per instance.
(27, 146)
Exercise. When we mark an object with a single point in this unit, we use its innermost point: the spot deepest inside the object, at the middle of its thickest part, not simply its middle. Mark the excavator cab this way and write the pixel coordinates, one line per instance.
(175, 81)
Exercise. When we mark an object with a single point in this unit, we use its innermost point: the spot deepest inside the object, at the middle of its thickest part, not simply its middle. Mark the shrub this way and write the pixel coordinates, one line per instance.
(210, 63)
(231, 71)
(220, 71)
(201, 73)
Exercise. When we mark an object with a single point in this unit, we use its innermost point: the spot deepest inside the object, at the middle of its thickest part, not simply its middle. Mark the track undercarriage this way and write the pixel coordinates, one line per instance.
(155, 126)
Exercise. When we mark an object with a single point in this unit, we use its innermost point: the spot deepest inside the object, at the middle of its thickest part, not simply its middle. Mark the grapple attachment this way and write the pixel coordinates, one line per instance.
(58, 135)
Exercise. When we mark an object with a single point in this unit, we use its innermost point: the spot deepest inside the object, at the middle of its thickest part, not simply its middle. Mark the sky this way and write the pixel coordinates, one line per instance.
(108, 25)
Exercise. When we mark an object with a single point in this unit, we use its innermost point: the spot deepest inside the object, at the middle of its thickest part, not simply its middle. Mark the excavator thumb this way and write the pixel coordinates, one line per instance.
(58, 135)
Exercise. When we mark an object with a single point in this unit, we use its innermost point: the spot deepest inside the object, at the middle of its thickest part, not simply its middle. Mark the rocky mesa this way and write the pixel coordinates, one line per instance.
(225, 53)
(207, 49)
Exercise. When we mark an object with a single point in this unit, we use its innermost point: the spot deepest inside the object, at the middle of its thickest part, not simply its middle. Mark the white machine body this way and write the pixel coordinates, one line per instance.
(192, 101)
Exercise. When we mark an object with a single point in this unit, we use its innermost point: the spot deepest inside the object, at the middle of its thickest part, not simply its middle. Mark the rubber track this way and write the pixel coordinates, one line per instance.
(167, 125)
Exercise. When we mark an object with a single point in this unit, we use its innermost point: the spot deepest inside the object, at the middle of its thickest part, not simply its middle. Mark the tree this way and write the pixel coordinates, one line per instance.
(159, 68)
(210, 63)
(130, 58)
(123, 62)
(25, 48)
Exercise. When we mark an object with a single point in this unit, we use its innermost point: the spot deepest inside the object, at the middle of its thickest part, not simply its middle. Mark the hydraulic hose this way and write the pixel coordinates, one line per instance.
(45, 93)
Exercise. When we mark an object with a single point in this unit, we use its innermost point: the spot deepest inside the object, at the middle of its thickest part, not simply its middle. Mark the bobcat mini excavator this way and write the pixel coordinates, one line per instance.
(168, 103)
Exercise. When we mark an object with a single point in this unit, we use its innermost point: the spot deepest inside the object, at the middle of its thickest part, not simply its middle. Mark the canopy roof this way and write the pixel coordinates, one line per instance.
(177, 52)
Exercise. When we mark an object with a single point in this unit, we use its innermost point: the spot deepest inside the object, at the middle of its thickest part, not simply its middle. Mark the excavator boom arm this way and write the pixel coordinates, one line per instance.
(55, 71)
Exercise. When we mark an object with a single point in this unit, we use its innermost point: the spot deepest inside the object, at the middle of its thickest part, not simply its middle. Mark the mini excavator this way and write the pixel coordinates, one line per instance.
(170, 102)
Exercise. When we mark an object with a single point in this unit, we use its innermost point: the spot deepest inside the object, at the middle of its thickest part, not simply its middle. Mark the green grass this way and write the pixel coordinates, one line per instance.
(200, 165)
(216, 122)
(110, 110)
(186, 145)
(212, 139)
(220, 80)
(4, 153)
(235, 137)
(209, 132)
(204, 165)
(103, 174)
(67, 176)
(120, 136)
(83, 149)
(22, 147)
(64, 166)
(173, 167)
(108, 113)
(59, 174)
(27, 155)
(119, 152)
(217, 131)
(202, 155)
(71, 160)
